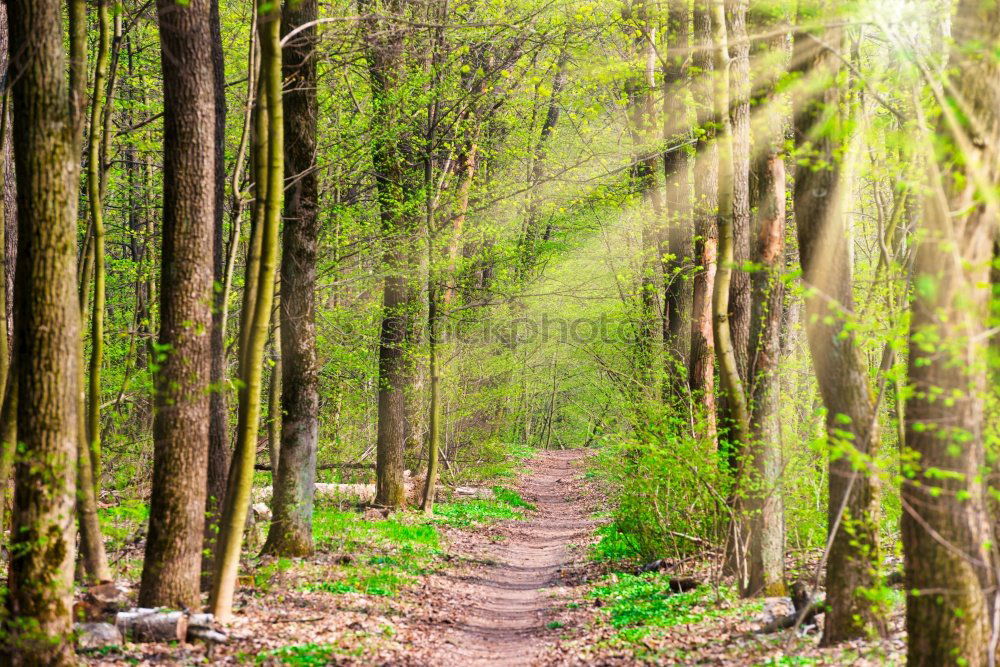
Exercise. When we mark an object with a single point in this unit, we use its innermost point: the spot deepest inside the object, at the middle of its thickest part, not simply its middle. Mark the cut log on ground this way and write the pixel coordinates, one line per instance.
(152, 625)
(95, 636)
(365, 493)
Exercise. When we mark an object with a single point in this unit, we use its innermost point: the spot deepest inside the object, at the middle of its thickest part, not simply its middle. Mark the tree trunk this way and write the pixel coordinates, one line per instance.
(701, 375)
(738, 308)
(724, 340)
(274, 402)
(949, 568)
(170, 574)
(47, 338)
(852, 425)
(739, 288)
(677, 174)
(398, 179)
(89, 449)
(218, 425)
(290, 533)
(762, 468)
(237, 502)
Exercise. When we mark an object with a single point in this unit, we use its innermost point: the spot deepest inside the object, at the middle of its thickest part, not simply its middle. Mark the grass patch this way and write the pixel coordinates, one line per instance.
(383, 582)
(512, 498)
(506, 504)
(636, 603)
(384, 555)
(303, 655)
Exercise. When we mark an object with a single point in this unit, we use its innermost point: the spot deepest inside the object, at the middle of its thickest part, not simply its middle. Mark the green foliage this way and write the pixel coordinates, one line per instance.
(121, 523)
(348, 532)
(512, 498)
(477, 511)
(667, 486)
(301, 655)
(614, 545)
(383, 582)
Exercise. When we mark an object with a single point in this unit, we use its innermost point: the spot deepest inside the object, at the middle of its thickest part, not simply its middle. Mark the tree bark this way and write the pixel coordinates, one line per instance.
(949, 568)
(725, 343)
(762, 470)
(852, 425)
(677, 174)
(47, 338)
(219, 452)
(398, 179)
(739, 110)
(237, 503)
(701, 374)
(290, 533)
(170, 574)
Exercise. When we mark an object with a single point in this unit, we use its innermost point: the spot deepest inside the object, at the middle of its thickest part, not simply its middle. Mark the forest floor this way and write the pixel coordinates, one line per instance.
(493, 583)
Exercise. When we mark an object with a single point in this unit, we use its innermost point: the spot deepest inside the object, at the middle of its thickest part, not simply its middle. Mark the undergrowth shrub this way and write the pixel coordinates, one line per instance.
(668, 487)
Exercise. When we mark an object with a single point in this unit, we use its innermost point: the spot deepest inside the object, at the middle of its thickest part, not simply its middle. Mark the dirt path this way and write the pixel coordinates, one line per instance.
(498, 609)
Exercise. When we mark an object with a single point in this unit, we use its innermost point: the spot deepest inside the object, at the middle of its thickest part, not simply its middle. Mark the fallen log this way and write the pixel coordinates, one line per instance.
(152, 625)
(202, 627)
(805, 610)
(365, 493)
(95, 636)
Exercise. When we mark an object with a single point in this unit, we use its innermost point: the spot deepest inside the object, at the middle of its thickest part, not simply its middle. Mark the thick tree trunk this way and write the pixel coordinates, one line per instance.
(852, 425)
(47, 337)
(950, 569)
(701, 375)
(237, 503)
(170, 574)
(290, 533)
(762, 468)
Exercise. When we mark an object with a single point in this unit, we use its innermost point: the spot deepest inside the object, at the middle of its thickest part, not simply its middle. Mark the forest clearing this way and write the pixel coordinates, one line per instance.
(516, 332)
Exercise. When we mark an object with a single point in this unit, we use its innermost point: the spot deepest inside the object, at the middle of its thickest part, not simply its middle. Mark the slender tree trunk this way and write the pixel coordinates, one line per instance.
(397, 180)
(677, 173)
(170, 574)
(739, 110)
(47, 338)
(96, 200)
(274, 406)
(701, 376)
(852, 424)
(538, 159)
(290, 533)
(949, 566)
(725, 343)
(218, 426)
(238, 489)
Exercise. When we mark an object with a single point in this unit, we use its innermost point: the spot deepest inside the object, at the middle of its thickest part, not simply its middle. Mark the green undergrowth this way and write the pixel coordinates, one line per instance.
(121, 523)
(381, 557)
(313, 653)
(505, 504)
(614, 545)
(639, 604)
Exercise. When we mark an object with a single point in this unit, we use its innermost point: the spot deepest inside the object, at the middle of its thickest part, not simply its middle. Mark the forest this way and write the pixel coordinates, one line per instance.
(500, 332)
